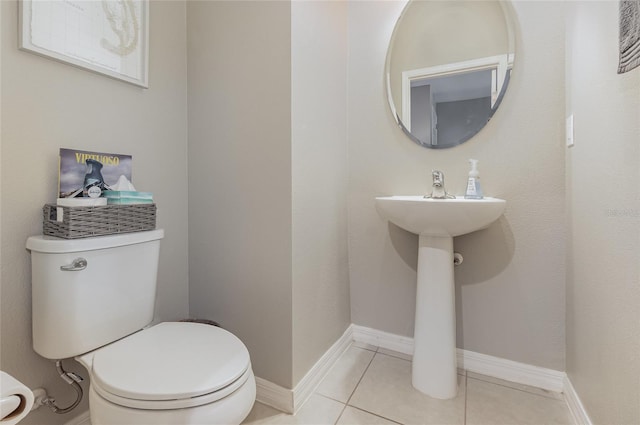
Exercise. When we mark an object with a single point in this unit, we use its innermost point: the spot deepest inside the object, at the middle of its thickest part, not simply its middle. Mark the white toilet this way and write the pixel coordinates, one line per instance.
(92, 299)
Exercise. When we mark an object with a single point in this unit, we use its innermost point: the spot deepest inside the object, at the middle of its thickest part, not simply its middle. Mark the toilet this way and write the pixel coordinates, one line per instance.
(94, 298)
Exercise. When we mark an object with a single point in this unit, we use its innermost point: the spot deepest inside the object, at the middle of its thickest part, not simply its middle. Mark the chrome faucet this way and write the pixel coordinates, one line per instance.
(438, 192)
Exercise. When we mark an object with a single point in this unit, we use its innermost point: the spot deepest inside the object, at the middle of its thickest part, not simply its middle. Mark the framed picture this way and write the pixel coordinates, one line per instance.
(110, 37)
(629, 35)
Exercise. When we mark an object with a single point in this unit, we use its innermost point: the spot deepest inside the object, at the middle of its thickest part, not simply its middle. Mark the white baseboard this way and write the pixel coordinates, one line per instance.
(274, 395)
(308, 384)
(495, 367)
(401, 344)
(279, 397)
(290, 401)
(521, 373)
(509, 370)
(579, 413)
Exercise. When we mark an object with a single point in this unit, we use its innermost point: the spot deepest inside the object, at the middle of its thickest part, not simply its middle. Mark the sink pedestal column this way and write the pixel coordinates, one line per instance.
(434, 368)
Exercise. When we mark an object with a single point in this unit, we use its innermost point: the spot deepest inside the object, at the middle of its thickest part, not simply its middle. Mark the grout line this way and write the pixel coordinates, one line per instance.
(398, 356)
(516, 389)
(344, 407)
(466, 397)
(375, 414)
(370, 348)
(360, 380)
(330, 398)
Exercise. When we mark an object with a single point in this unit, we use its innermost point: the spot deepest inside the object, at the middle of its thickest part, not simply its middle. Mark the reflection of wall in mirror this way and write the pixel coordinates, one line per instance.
(448, 123)
(460, 120)
(447, 110)
(439, 32)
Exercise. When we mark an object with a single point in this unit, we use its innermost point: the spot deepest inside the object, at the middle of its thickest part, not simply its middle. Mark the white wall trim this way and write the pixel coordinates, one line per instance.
(81, 419)
(290, 401)
(401, 344)
(316, 374)
(274, 395)
(495, 367)
(579, 413)
(521, 373)
(281, 398)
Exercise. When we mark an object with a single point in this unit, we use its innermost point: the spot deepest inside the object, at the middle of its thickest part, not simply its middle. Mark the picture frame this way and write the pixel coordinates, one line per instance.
(629, 58)
(109, 37)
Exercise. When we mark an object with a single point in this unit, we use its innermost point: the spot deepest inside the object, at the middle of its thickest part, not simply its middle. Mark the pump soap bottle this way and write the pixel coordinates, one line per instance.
(474, 190)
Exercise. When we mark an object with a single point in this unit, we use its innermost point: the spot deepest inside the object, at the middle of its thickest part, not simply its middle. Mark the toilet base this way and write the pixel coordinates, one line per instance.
(232, 409)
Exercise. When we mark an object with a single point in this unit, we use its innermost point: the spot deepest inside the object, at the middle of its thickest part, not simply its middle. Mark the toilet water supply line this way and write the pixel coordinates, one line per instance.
(71, 379)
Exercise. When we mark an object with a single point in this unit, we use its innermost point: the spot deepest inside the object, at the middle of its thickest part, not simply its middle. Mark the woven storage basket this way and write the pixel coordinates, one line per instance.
(84, 222)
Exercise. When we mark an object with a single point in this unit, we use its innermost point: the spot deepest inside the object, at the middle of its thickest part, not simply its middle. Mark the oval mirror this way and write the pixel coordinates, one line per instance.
(448, 67)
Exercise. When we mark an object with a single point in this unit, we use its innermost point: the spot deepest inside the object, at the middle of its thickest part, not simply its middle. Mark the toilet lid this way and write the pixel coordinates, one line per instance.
(169, 361)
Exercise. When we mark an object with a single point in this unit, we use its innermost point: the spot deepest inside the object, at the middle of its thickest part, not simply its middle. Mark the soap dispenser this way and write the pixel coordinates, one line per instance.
(474, 190)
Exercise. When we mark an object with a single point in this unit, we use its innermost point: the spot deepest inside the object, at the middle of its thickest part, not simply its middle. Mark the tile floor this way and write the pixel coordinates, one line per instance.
(373, 386)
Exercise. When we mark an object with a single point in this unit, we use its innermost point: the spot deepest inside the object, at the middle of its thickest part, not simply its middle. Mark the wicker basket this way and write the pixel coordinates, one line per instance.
(84, 222)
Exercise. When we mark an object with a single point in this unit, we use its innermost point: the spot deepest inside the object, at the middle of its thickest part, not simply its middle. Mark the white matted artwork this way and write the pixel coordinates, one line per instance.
(110, 37)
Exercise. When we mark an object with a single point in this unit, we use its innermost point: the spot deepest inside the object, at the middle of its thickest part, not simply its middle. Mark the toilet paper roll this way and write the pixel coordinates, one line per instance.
(15, 400)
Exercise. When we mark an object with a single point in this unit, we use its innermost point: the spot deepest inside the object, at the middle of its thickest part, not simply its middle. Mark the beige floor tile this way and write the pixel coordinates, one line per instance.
(408, 357)
(386, 390)
(263, 414)
(521, 387)
(353, 416)
(317, 410)
(345, 374)
(491, 404)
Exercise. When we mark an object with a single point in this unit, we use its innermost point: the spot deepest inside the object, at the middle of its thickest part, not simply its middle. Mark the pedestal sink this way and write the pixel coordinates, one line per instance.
(437, 221)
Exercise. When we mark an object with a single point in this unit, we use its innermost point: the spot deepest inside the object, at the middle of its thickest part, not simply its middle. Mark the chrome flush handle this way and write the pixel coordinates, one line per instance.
(77, 265)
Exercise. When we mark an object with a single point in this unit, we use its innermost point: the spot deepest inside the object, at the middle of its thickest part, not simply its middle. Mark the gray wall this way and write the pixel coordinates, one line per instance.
(511, 286)
(47, 105)
(254, 213)
(268, 177)
(240, 235)
(319, 179)
(603, 198)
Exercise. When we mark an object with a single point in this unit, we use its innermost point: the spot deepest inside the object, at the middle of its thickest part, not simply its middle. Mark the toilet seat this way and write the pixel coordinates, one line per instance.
(169, 366)
(177, 403)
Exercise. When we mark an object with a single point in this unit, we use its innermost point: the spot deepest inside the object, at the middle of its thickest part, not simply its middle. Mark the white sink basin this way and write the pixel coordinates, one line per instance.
(437, 221)
(440, 217)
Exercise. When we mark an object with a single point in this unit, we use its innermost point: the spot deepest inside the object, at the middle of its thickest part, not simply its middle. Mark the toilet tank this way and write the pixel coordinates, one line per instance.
(76, 311)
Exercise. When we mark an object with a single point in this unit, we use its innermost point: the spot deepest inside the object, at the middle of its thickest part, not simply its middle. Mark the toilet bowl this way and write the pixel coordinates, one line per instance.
(93, 299)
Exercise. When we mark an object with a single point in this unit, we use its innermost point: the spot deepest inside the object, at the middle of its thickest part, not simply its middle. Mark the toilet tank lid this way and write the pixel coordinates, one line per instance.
(50, 244)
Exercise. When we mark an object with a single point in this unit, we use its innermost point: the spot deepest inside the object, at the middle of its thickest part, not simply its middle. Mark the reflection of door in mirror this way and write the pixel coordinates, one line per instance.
(448, 66)
(447, 105)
